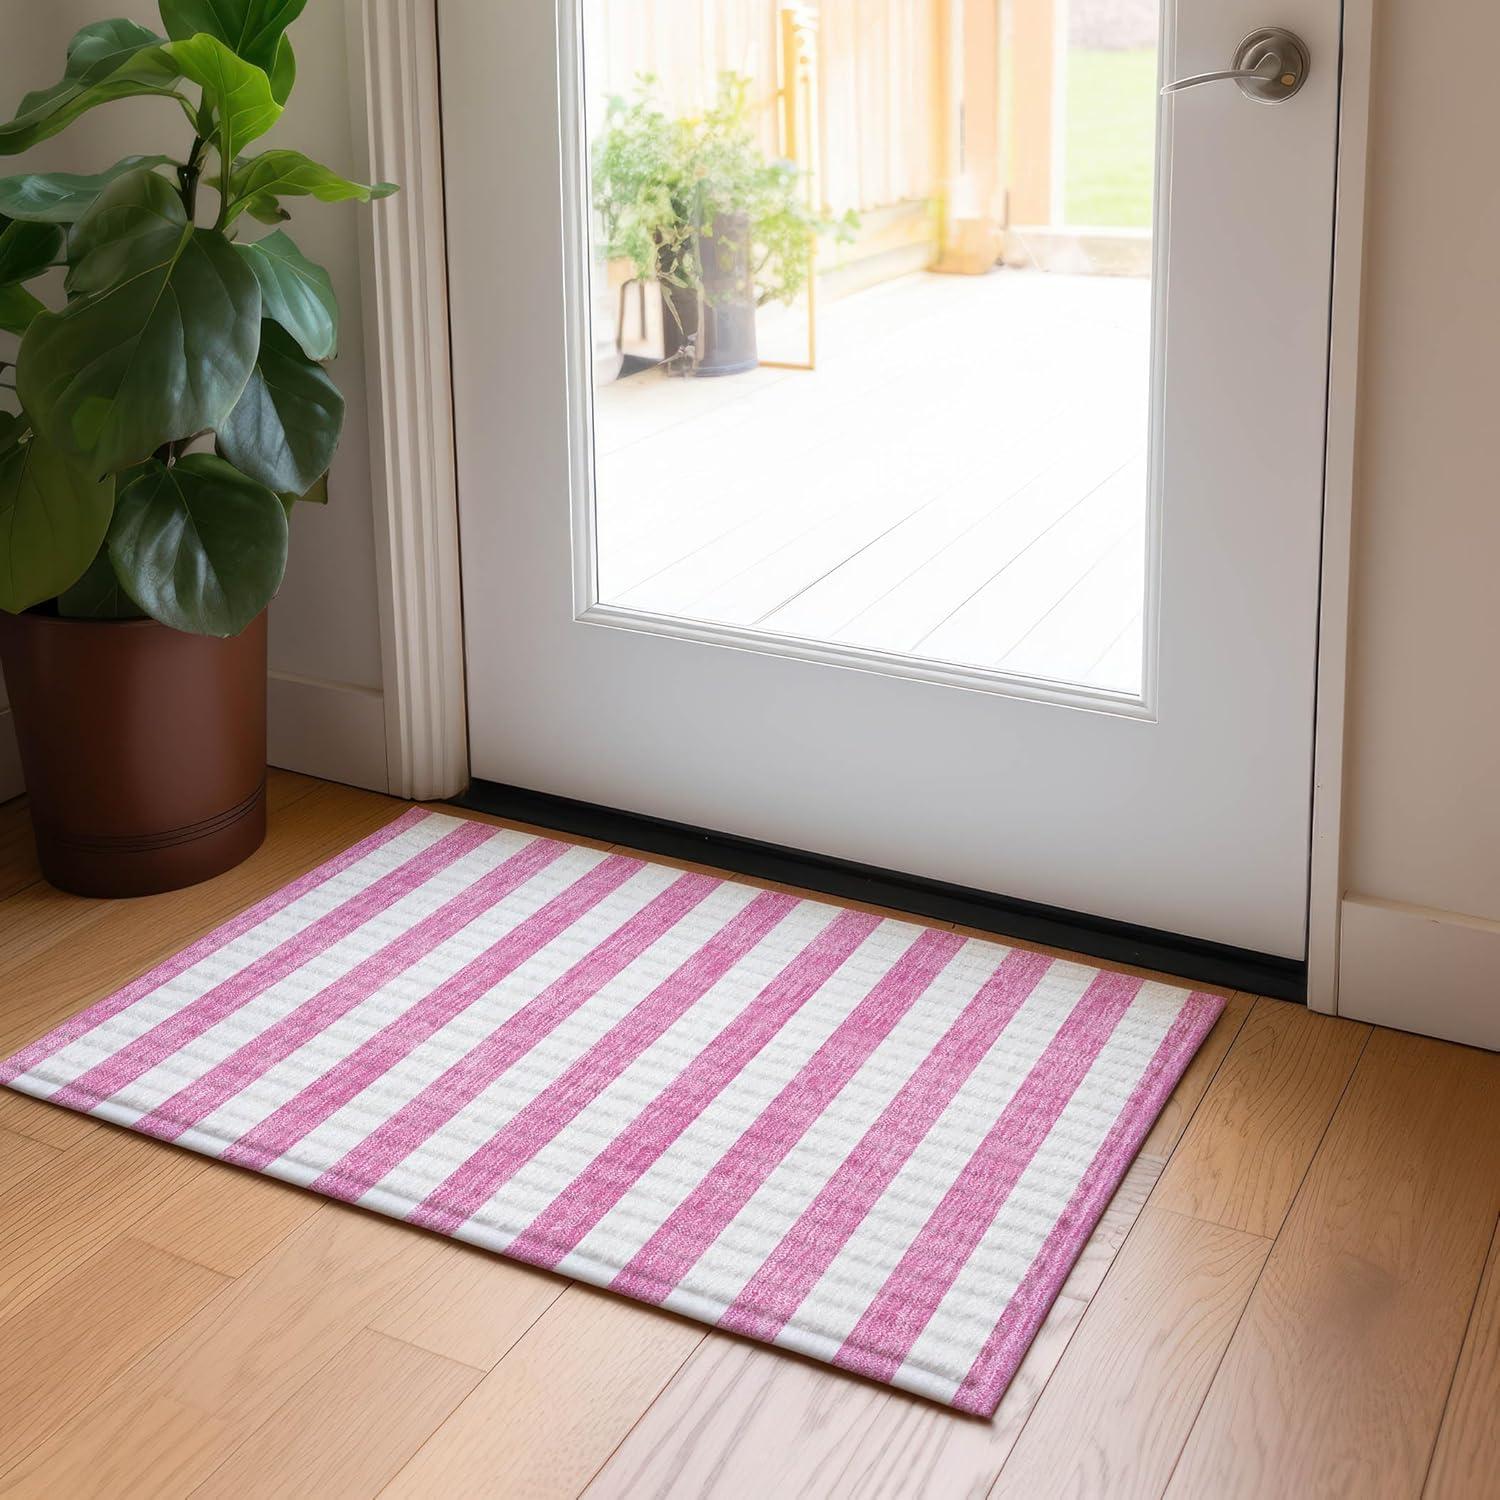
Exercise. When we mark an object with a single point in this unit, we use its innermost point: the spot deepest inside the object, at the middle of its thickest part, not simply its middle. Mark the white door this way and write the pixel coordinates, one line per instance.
(1017, 589)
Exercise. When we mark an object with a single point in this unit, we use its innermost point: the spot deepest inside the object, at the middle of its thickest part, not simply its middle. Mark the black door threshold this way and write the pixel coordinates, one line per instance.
(1005, 916)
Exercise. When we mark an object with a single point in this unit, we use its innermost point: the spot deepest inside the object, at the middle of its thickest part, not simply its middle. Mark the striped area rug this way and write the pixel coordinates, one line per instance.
(880, 1144)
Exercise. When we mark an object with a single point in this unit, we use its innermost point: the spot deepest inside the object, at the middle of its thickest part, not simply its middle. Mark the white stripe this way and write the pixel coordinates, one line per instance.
(549, 1172)
(956, 1333)
(746, 1242)
(118, 1031)
(447, 1149)
(696, 1152)
(363, 1115)
(834, 1306)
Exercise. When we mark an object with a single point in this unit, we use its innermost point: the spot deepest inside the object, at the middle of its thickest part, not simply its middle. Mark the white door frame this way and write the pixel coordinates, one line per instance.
(1326, 885)
(397, 119)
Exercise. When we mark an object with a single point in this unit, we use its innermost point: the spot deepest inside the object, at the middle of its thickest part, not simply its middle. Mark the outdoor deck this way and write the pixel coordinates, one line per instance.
(962, 478)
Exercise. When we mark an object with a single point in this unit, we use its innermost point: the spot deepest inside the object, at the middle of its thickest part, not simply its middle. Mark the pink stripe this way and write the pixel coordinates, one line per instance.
(179, 963)
(794, 1267)
(986, 1381)
(890, 1325)
(377, 1055)
(617, 1168)
(698, 1220)
(193, 1103)
(396, 1138)
(173, 1032)
(477, 1180)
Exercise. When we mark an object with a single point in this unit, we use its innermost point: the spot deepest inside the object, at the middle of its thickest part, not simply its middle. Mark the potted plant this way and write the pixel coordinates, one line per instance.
(167, 413)
(695, 204)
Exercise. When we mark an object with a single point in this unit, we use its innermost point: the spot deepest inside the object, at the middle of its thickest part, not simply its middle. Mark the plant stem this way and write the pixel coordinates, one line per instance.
(226, 168)
(188, 175)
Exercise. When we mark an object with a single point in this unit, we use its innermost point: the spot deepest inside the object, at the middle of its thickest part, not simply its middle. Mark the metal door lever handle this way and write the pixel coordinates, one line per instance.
(1264, 73)
(1269, 65)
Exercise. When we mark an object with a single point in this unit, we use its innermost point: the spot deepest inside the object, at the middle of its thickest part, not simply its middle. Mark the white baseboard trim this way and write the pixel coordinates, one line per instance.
(334, 730)
(11, 782)
(1419, 969)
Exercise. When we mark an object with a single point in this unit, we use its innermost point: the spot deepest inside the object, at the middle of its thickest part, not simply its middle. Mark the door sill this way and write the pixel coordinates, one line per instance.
(1005, 916)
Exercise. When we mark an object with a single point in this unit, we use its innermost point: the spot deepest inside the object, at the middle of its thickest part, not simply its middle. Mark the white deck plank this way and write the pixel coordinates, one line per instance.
(1078, 632)
(988, 626)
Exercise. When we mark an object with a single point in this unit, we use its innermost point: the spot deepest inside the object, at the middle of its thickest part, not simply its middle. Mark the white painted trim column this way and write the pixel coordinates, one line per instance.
(1326, 884)
(394, 98)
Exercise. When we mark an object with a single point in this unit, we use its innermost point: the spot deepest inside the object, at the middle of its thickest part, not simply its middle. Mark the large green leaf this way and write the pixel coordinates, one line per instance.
(98, 50)
(140, 212)
(252, 28)
(53, 516)
(296, 293)
(159, 341)
(286, 426)
(98, 595)
(26, 250)
(283, 71)
(18, 309)
(290, 174)
(238, 92)
(108, 60)
(62, 197)
(198, 545)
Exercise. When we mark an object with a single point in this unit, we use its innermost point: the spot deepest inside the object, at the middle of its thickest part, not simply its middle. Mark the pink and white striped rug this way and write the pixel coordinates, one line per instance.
(880, 1144)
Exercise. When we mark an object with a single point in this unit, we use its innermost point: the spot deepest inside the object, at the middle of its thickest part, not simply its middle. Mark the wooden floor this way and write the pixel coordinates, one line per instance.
(1294, 1293)
(962, 478)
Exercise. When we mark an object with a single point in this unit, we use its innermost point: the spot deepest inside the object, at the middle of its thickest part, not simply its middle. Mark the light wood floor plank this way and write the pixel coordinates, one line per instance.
(471, 1306)
(64, 1347)
(20, 1158)
(283, 788)
(1247, 1150)
(1115, 1414)
(1467, 1459)
(227, 1219)
(546, 1418)
(740, 1415)
(349, 1429)
(1335, 1381)
(56, 1220)
(234, 1363)
(101, 1457)
(43, 1122)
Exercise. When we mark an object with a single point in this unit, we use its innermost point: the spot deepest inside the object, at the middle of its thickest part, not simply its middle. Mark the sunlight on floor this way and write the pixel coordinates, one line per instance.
(961, 479)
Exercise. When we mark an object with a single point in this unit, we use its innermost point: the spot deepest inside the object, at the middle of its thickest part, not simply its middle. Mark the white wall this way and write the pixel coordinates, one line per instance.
(1422, 823)
(326, 711)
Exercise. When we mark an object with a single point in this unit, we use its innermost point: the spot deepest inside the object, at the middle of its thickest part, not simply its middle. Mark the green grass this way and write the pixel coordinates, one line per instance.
(1111, 137)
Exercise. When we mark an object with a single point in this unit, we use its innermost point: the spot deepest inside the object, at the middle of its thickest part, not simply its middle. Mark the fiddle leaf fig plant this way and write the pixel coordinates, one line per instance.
(170, 399)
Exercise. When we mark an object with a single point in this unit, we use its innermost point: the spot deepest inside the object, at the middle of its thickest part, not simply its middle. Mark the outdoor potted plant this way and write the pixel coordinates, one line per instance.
(695, 205)
(168, 413)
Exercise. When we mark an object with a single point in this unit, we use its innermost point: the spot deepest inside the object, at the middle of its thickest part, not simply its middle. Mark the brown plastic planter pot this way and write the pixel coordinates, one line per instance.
(144, 749)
